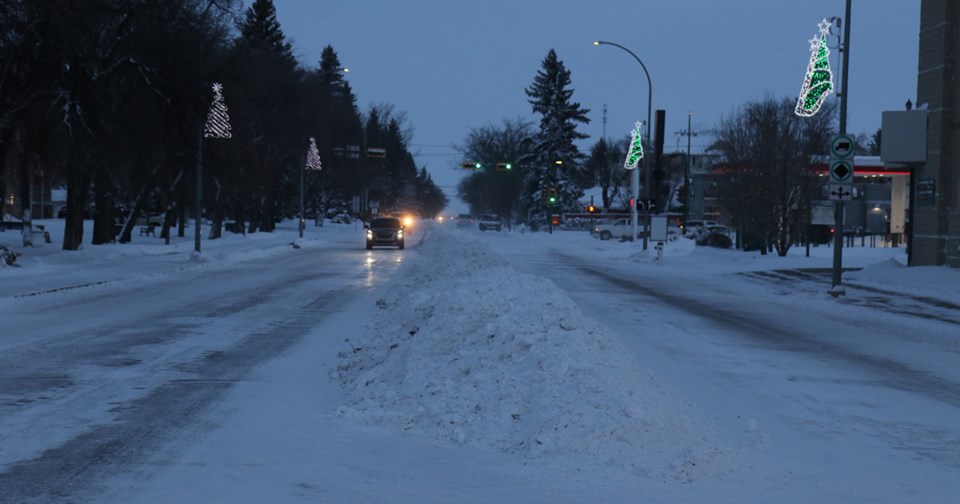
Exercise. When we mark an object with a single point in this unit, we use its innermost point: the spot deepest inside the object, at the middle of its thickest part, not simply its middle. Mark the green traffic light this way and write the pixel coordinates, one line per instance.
(478, 166)
(509, 166)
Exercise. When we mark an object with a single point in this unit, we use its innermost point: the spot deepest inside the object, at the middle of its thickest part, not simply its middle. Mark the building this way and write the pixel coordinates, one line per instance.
(935, 193)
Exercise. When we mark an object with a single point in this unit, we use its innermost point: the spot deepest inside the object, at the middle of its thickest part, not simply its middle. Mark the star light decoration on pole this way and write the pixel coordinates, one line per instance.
(818, 83)
(635, 154)
(218, 121)
(313, 156)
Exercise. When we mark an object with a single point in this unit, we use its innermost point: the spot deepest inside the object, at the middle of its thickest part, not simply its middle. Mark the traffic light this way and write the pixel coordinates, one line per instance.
(472, 165)
(504, 166)
(552, 196)
(591, 208)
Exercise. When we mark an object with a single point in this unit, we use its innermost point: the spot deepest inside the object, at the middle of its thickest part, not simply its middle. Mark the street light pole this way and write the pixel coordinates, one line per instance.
(199, 196)
(634, 176)
(686, 174)
(837, 288)
(303, 169)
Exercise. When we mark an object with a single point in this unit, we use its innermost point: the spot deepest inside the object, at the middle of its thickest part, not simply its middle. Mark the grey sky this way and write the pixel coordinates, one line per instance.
(456, 65)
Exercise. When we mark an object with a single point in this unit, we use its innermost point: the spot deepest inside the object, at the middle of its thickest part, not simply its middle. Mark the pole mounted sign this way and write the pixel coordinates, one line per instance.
(841, 146)
(841, 171)
(840, 192)
(840, 187)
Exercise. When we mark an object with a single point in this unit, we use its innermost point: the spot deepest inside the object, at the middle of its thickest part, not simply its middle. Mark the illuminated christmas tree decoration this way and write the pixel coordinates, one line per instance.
(313, 156)
(635, 154)
(218, 121)
(818, 83)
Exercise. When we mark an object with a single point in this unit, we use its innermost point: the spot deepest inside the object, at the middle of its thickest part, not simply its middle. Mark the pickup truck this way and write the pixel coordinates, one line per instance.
(620, 228)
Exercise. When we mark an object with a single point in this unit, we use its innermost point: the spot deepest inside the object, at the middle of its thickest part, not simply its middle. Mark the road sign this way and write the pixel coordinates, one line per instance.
(841, 171)
(841, 146)
(840, 192)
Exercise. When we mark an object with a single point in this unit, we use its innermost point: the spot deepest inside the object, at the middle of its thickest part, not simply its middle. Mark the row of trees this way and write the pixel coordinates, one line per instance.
(762, 156)
(109, 98)
(546, 158)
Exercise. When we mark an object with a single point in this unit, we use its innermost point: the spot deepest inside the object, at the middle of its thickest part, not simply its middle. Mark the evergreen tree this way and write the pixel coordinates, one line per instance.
(875, 142)
(431, 200)
(554, 164)
(270, 121)
(333, 118)
(261, 31)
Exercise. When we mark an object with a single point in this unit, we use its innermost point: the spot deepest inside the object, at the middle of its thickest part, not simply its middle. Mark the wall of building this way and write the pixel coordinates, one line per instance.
(935, 191)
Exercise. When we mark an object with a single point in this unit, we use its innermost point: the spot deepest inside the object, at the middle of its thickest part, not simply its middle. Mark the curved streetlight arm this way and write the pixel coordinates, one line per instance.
(645, 72)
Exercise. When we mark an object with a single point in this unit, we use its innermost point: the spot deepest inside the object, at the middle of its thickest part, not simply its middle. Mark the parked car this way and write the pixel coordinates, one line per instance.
(619, 228)
(820, 234)
(490, 221)
(464, 220)
(694, 228)
(384, 231)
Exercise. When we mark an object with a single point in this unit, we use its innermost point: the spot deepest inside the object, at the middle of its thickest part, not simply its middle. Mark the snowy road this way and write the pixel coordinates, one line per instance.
(842, 392)
(443, 373)
(150, 353)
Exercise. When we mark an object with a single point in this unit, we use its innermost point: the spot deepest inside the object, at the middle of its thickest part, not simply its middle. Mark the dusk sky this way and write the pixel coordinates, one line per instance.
(453, 65)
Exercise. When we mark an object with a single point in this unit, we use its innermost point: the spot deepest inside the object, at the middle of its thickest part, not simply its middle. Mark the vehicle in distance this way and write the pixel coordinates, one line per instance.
(384, 232)
(464, 220)
(619, 228)
(405, 218)
(490, 221)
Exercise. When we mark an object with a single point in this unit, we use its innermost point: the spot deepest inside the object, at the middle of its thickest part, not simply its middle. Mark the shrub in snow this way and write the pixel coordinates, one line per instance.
(8, 256)
(468, 350)
(715, 239)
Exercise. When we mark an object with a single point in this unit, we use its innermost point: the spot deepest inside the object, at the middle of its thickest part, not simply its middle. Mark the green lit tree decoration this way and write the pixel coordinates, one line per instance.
(218, 121)
(635, 154)
(313, 155)
(818, 83)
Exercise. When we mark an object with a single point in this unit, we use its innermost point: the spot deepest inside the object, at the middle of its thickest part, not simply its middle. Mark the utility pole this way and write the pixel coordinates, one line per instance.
(837, 288)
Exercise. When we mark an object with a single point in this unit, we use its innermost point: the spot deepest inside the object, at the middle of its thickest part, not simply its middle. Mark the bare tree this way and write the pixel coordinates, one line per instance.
(764, 179)
(492, 189)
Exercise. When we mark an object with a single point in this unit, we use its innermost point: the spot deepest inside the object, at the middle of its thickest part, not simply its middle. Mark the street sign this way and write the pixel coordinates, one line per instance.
(840, 192)
(841, 146)
(841, 171)
(658, 228)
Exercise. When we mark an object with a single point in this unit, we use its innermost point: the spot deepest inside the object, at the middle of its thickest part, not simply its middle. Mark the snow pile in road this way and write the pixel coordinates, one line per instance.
(468, 350)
